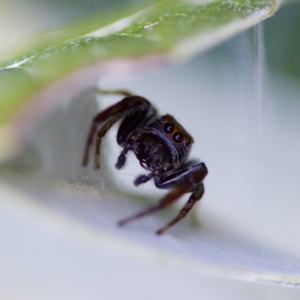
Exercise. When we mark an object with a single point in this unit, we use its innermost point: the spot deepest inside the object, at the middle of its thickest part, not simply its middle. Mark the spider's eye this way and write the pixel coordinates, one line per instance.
(169, 128)
(177, 137)
(187, 142)
(164, 118)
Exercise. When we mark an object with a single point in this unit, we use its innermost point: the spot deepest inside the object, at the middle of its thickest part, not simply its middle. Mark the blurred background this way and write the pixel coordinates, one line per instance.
(240, 101)
(22, 19)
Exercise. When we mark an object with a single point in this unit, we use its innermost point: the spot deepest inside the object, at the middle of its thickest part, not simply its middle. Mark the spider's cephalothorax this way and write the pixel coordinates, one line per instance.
(161, 145)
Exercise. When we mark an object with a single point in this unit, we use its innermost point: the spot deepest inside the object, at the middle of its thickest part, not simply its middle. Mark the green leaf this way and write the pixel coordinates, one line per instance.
(171, 29)
(283, 40)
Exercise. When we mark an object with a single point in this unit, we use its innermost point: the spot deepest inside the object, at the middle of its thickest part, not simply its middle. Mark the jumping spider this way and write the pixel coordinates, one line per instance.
(160, 144)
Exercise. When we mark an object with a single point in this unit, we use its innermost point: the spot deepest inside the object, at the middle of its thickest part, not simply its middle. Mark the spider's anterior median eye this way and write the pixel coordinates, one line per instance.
(169, 128)
(164, 118)
(177, 137)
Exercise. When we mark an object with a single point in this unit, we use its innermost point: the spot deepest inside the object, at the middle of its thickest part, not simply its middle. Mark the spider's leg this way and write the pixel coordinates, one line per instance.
(145, 178)
(171, 197)
(129, 106)
(122, 157)
(100, 135)
(188, 179)
(196, 196)
(130, 126)
(114, 92)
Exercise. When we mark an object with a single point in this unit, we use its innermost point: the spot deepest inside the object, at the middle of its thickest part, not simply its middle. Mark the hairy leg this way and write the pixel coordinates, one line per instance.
(128, 106)
(196, 196)
(186, 180)
(100, 135)
(170, 198)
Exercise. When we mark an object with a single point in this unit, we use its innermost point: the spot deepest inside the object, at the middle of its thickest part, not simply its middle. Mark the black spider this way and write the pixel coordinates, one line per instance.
(161, 145)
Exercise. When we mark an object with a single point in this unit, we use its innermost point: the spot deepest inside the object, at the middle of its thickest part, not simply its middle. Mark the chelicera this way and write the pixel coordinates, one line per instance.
(162, 147)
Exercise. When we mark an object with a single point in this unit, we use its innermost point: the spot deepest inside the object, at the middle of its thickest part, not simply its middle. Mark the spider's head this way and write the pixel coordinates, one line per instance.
(176, 137)
(163, 143)
(175, 132)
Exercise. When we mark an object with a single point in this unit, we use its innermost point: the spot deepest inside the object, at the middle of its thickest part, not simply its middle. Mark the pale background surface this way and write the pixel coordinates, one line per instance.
(248, 217)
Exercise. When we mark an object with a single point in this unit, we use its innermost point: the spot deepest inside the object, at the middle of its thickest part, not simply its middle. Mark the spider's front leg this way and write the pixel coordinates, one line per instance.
(188, 179)
(134, 110)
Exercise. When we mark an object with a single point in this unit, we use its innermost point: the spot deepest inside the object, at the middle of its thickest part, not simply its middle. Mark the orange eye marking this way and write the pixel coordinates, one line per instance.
(166, 119)
(174, 131)
(186, 142)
